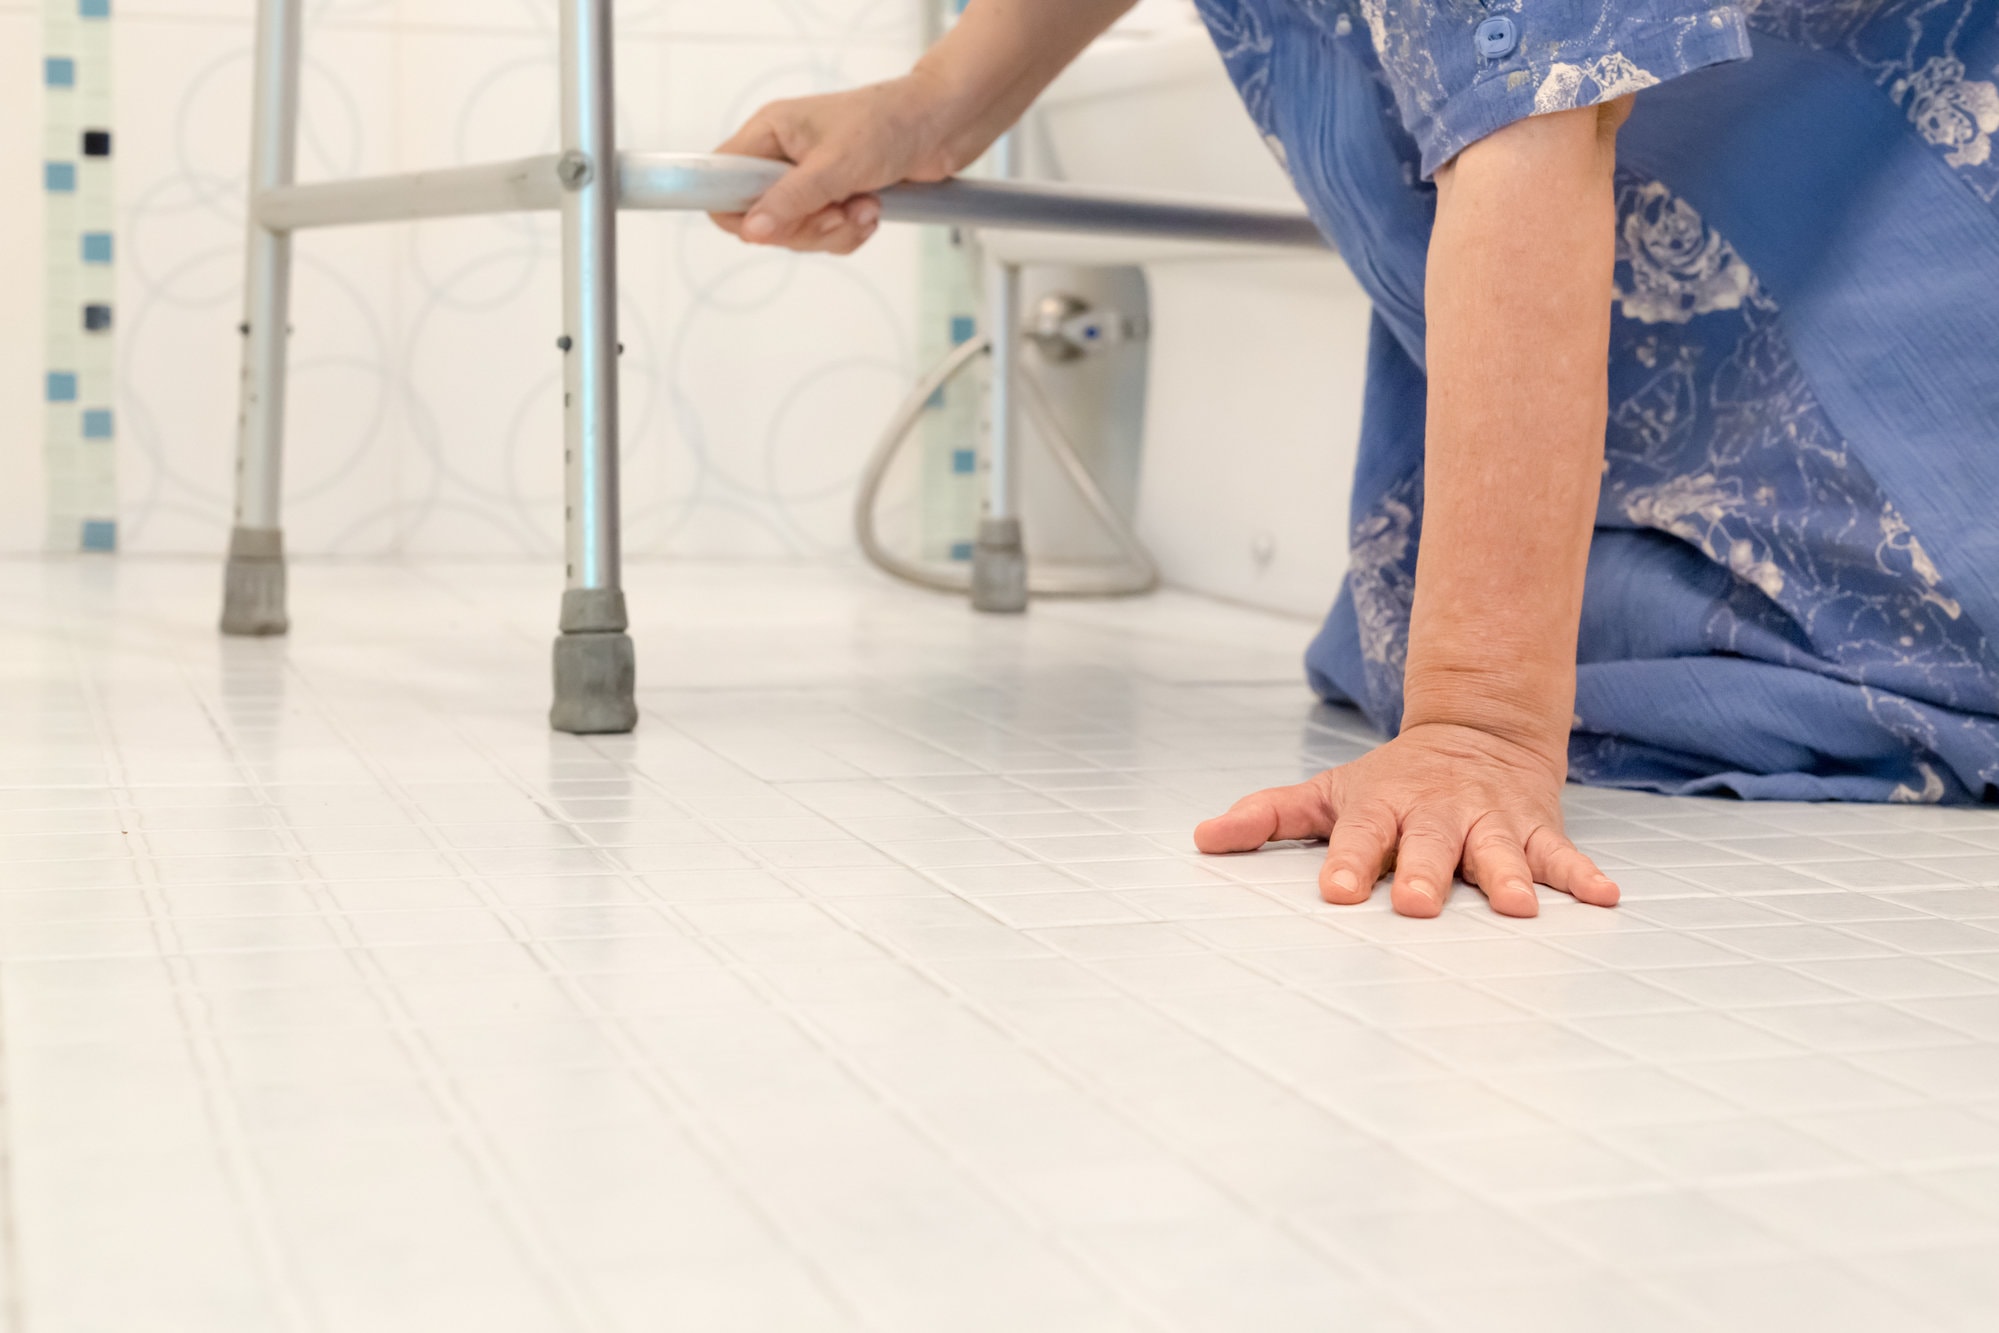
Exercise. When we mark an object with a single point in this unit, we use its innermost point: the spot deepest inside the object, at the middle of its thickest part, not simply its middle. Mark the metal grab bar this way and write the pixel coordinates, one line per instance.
(720, 183)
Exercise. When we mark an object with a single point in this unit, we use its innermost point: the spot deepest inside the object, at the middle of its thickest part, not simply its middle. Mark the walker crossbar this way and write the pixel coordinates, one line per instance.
(718, 183)
(594, 662)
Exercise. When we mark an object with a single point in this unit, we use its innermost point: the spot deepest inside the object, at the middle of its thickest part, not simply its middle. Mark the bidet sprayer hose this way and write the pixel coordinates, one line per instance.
(1137, 575)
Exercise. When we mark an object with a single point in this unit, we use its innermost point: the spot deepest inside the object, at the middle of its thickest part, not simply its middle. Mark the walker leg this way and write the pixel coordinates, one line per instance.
(594, 661)
(253, 586)
(999, 561)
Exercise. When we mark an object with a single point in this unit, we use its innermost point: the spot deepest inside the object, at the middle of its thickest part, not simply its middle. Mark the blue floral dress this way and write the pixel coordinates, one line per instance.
(1796, 562)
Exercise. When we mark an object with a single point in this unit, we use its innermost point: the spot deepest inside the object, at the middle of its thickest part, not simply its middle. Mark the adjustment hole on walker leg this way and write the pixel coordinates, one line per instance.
(563, 343)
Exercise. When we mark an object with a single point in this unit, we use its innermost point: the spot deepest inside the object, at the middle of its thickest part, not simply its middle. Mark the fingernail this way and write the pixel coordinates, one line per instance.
(758, 226)
(1418, 887)
(868, 214)
(1521, 886)
(1344, 881)
(830, 224)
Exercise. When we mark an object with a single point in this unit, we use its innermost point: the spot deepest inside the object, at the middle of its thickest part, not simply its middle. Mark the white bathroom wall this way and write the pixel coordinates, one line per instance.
(425, 408)
(1257, 362)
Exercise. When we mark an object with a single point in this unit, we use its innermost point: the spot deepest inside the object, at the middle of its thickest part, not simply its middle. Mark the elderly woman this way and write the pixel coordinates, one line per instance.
(1680, 460)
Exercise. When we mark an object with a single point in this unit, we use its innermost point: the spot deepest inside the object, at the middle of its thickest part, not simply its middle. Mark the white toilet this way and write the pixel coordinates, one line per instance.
(1256, 363)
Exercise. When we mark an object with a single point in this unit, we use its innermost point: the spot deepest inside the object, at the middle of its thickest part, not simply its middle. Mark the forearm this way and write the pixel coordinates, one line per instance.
(998, 57)
(1518, 312)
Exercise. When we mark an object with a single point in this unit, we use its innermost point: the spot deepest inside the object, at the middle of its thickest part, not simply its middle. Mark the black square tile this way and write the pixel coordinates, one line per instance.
(96, 318)
(97, 143)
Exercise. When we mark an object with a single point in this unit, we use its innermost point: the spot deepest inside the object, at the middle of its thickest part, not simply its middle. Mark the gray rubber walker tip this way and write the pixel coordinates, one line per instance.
(596, 667)
(999, 567)
(253, 584)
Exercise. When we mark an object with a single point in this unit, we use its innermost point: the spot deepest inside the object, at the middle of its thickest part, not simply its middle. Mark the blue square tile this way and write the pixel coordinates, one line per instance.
(963, 329)
(97, 423)
(97, 247)
(964, 461)
(59, 72)
(62, 387)
(961, 550)
(59, 177)
(100, 534)
(93, 9)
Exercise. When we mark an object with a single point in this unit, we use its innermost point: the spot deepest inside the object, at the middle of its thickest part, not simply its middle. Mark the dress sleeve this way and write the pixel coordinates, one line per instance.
(1460, 69)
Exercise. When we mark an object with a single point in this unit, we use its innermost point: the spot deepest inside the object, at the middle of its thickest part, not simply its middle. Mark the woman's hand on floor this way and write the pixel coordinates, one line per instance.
(844, 147)
(1435, 800)
(1518, 294)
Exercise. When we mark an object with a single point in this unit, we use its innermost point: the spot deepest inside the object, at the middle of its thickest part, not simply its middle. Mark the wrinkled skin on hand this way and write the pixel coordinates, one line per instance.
(1435, 801)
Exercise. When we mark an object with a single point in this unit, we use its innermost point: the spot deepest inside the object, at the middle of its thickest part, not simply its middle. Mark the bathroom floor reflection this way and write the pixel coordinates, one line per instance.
(874, 984)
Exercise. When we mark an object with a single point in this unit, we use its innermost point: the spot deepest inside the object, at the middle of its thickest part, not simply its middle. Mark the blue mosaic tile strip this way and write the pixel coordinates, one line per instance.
(80, 201)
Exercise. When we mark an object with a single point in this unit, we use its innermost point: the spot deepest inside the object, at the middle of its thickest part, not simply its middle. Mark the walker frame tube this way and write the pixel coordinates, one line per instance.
(721, 183)
(999, 550)
(595, 670)
(253, 596)
(589, 181)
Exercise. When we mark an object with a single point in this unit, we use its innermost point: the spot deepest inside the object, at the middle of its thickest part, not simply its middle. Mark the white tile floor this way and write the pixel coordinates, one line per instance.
(874, 985)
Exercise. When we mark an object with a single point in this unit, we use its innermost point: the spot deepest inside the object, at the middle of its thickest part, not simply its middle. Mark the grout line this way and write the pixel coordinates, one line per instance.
(230, 1147)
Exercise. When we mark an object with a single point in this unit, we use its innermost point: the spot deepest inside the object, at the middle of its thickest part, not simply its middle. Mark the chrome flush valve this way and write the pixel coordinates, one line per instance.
(1065, 327)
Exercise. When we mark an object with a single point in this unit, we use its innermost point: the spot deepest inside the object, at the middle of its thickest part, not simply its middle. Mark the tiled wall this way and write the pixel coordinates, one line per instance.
(23, 493)
(79, 233)
(425, 400)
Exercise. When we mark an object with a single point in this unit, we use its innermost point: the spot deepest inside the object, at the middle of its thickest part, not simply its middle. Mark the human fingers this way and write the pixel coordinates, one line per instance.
(757, 138)
(852, 239)
(846, 227)
(1277, 813)
(815, 232)
(786, 213)
(781, 215)
(1426, 861)
(832, 231)
(864, 211)
(1556, 863)
(1357, 854)
(1495, 861)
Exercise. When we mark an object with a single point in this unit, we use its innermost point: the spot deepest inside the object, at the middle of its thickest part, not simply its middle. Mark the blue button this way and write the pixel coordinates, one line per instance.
(1496, 38)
